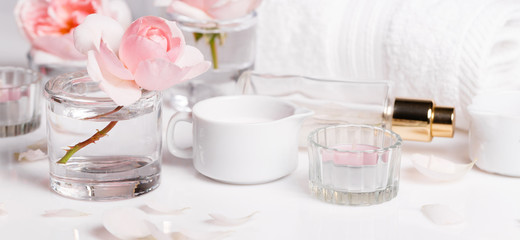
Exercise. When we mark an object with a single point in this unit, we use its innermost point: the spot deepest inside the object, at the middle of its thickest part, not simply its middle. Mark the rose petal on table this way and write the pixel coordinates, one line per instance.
(192, 235)
(159, 207)
(441, 214)
(40, 144)
(30, 156)
(3, 212)
(64, 212)
(439, 168)
(223, 220)
(127, 223)
(156, 233)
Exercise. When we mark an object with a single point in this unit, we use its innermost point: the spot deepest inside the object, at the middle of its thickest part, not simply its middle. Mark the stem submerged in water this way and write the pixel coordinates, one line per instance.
(93, 139)
(213, 47)
(211, 39)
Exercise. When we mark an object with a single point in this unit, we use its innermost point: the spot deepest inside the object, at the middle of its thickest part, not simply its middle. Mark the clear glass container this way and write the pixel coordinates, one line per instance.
(20, 101)
(348, 102)
(231, 47)
(124, 163)
(354, 164)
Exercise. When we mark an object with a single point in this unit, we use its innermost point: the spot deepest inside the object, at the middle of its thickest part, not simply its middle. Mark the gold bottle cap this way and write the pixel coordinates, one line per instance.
(421, 120)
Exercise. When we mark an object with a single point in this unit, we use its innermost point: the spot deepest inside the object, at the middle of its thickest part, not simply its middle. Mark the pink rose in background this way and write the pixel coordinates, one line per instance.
(212, 9)
(48, 24)
(151, 54)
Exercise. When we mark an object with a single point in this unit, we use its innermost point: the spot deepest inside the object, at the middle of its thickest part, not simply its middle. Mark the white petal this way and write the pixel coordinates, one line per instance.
(3, 212)
(185, 235)
(123, 92)
(31, 156)
(439, 168)
(40, 144)
(160, 207)
(126, 223)
(120, 11)
(162, 3)
(88, 34)
(441, 214)
(223, 220)
(182, 8)
(156, 233)
(65, 212)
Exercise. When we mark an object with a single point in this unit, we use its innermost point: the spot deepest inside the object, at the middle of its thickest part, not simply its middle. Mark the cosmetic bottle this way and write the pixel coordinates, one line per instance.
(349, 102)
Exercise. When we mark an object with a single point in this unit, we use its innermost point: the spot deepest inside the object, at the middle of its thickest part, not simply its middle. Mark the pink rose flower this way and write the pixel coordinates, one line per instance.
(151, 54)
(48, 24)
(213, 9)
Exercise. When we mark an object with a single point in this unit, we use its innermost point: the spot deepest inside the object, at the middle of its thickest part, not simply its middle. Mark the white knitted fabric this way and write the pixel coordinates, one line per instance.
(449, 50)
(293, 36)
(445, 50)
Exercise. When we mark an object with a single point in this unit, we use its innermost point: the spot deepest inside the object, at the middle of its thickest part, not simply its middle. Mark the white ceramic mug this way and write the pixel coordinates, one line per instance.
(244, 139)
(494, 135)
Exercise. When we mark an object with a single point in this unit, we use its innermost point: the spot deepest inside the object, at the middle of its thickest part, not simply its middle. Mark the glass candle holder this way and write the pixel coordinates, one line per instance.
(354, 164)
(123, 164)
(231, 47)
(20, 94)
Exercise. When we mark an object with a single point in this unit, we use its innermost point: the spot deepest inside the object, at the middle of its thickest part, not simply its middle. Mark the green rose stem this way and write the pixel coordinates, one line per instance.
(211, 38)
(93, 139)
(213, 48)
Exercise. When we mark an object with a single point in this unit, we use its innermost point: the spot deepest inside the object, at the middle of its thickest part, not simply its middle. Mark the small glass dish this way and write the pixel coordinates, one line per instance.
(354, 164)
(20, 96)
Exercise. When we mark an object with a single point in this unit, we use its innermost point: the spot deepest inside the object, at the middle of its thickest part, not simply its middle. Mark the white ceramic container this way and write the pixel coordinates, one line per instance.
(494, 135)
(242, 139)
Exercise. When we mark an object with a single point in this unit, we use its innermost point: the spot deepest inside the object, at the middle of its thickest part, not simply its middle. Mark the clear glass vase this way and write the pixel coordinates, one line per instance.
(231, 47)
(123, 164)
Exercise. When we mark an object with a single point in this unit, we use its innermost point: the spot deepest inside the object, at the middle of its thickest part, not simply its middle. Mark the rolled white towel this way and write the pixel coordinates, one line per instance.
(450, 50)
(446, 50)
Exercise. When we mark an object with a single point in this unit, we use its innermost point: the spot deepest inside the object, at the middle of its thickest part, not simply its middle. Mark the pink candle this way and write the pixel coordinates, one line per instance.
(352, 155)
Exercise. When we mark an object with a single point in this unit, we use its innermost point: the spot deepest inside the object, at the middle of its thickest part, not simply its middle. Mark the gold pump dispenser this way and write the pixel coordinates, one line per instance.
(421, 120)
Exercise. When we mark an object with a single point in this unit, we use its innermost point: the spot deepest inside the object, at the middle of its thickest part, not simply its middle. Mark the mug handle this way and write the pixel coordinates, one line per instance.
(170, 140)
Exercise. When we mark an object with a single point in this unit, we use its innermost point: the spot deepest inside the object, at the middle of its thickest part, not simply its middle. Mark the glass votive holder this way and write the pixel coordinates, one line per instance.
(123, 161)
(20, 94)
(354, 164)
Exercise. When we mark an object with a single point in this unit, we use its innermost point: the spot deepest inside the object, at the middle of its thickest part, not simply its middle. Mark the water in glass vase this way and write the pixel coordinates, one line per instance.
(123, 164)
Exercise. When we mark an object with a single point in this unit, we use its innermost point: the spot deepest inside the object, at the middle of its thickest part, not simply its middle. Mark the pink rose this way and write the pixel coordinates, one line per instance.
(213, 9)
(48, 24)
(151, 54)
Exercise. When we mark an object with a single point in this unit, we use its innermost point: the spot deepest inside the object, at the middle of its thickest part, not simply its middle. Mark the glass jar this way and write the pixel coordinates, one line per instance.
(349, 102)
(123, 164)
(231, 47)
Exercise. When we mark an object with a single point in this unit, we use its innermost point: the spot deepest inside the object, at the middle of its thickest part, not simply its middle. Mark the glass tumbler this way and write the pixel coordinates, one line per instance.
(354, 164)
(20, 94)
(124, 163)
(231, 47)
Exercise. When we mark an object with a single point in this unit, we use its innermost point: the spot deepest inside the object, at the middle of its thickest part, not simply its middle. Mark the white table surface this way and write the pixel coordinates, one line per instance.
(489, 203)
